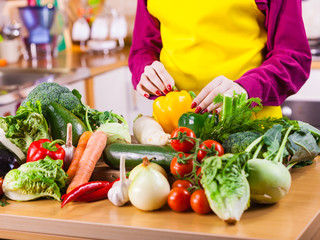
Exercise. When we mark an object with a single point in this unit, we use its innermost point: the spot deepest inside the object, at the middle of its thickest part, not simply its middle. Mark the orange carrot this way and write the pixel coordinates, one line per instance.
(82, 143)
(95, 146)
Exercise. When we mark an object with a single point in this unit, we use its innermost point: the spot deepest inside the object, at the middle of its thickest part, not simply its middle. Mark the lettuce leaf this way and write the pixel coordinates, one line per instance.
(27, 126)
(224, 180)
(32, 180)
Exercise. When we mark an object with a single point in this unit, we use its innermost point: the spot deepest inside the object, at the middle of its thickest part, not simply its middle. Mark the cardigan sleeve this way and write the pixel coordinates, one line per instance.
(288, 60)
(146, 42)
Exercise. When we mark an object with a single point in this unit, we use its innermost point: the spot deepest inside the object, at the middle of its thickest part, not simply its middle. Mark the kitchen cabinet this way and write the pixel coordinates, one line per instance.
(113, 91)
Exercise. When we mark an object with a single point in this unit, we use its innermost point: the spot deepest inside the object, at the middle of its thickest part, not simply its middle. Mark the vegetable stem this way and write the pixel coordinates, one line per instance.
(145, 161)
(279, 155)
(256, 153)
(253, 144)
(87, 120)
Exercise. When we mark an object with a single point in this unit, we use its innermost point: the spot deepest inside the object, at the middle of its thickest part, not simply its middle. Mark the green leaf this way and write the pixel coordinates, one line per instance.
(302, 146)
(225, 184)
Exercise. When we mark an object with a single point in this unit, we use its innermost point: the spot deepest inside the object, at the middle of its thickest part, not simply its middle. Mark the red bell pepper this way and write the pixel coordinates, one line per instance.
(88, 192)
(44, 147)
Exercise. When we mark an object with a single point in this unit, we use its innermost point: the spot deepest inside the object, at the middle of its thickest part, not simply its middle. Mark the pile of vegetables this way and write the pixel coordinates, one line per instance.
(53, 122)
(252, 162)
(217, 162)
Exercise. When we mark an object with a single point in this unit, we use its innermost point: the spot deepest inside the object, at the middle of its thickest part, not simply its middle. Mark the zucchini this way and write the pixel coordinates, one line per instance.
(135, 152)
(58, 117)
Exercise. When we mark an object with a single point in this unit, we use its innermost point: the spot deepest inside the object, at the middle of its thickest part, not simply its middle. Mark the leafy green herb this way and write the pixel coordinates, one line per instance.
(94, 117)
(237, 116)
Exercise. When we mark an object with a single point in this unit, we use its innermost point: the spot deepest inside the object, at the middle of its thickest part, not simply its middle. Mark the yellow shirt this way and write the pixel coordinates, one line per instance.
(205, 39)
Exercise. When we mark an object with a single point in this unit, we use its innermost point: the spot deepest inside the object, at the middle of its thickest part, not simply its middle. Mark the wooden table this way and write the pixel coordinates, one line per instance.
(294, 217)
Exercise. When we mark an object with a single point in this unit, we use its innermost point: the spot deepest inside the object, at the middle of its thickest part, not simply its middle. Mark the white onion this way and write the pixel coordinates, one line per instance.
(149, 188)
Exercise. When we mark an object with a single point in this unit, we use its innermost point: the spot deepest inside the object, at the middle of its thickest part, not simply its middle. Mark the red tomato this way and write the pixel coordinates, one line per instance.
(209, 144)
(182, 183)
(1, 182)
(187, 144)
(199, 202)
(180, 169)
(179, 199)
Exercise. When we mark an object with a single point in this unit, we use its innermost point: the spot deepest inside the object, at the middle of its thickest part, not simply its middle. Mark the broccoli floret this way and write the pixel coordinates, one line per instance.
(48, 92)
(238, 142)
(73, 103)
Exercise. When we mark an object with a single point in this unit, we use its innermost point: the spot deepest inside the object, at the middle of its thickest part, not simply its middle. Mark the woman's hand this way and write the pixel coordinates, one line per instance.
(204, 101)
(155, 80)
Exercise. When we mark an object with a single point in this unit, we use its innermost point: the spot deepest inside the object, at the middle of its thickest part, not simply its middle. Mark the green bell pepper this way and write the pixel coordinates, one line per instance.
(195, 121)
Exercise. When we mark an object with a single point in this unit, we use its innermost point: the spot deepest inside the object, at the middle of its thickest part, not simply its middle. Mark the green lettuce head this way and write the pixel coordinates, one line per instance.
(117, 129)
(26, 126)
(225, 183)
(32, 180)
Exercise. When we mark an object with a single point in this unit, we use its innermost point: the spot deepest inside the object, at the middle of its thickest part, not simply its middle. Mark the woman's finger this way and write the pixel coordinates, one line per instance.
(166, 78)
(153, 77)
(205, 92)
(208, 100)
(146, 87)
(213, 107)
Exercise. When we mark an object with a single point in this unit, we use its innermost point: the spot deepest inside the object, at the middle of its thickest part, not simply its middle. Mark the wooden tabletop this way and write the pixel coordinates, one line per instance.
(294, 217)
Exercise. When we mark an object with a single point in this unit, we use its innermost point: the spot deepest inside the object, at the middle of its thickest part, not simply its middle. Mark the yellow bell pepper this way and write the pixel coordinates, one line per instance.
(168, 109)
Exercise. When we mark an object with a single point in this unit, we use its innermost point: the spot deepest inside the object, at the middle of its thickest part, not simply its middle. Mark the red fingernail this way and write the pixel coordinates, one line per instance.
(193, 105)
(158, 93)
(146, 95)
(169, 87)
(165, 91)
(198, 109)
(216, 111)
(204, 111)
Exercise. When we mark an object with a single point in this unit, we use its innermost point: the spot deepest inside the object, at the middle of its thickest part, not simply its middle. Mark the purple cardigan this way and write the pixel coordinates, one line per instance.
(287, 62)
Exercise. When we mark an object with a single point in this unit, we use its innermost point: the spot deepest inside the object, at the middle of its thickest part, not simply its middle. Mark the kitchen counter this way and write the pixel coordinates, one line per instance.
(297, 216)
(73, 59)
(70, 66)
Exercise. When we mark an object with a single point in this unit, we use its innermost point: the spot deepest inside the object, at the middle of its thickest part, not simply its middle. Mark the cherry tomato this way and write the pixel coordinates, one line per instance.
(209, 144)
(181, 169)
(179, 199)
(186, 145)
(182, 183)
(1, 182)
(199, 202)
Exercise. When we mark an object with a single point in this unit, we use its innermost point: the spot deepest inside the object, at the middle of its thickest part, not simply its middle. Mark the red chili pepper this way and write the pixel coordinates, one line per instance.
(101, 193)
(84, 189)
(44, 147)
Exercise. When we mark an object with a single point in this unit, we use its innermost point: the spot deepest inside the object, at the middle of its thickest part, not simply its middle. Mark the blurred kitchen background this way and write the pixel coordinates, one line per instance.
(84, 44)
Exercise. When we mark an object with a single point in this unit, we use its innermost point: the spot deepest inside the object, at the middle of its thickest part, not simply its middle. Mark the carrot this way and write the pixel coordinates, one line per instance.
(95, 146)
(78, 153)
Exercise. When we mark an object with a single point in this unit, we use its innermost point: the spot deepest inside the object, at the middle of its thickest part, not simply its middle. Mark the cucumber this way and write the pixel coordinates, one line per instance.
(134, 153)
(58, 117)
